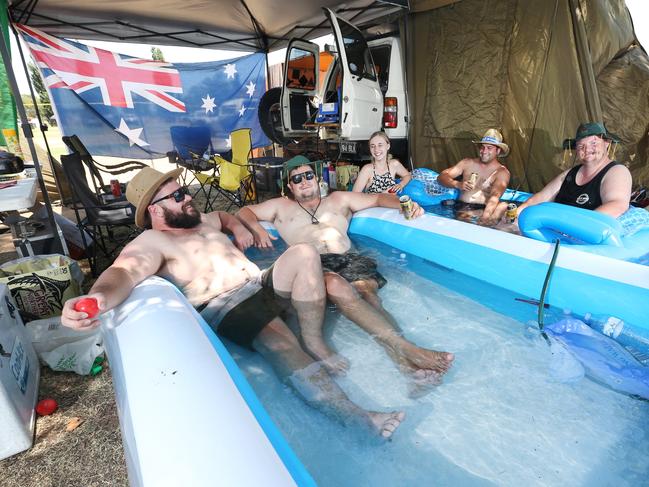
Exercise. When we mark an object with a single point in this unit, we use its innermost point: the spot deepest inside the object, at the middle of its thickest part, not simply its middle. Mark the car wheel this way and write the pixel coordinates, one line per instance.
(270, 116)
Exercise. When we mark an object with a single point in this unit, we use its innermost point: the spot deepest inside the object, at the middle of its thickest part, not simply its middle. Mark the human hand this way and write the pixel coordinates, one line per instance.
(417, 210)
(264, 240)
(395, 188)
(243, 238)
(467, 185)
(72, 315)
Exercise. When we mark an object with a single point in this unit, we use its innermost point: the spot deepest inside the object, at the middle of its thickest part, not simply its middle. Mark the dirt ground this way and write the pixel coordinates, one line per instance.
(91, 454)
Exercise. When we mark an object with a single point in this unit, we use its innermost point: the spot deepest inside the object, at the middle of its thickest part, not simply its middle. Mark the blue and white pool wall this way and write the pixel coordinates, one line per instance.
(582, 282)
(187, 414)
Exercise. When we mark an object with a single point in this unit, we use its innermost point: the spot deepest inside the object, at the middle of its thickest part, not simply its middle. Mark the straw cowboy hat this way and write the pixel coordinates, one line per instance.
(494, 137)
(143, 186)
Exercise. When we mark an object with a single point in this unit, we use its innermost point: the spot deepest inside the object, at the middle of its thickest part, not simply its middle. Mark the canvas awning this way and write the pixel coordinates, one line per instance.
(240, 25)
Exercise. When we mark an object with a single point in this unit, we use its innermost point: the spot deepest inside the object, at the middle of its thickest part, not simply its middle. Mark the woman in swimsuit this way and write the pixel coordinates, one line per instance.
(379, 176)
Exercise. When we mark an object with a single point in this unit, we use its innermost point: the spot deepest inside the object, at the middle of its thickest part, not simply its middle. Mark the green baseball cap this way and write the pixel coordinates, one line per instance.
(298, 161)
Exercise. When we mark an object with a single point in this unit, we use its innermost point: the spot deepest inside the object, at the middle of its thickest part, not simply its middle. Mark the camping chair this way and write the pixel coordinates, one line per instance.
(234, 179)
(190, 144)
(96, 168)
(111, 226)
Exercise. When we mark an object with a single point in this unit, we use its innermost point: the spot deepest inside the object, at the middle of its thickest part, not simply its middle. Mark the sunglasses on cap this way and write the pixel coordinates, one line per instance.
(297, 178)
(177, 195)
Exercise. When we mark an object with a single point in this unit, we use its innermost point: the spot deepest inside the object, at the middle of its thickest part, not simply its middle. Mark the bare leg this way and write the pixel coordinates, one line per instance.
(368, 290)
(280, 347)
(298, 274)
(407, 355)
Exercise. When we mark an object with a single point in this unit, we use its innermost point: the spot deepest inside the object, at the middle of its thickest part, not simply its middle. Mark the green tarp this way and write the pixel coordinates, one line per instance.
(533, 69)
(7, 105)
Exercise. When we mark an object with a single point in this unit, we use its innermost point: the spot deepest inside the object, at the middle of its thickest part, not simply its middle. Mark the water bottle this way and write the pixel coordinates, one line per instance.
(324, 189)
(332, 176)
(325, 174)
(632, 337)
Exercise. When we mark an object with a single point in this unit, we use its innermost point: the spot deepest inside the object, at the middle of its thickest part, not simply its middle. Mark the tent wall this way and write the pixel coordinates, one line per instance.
(518, 65)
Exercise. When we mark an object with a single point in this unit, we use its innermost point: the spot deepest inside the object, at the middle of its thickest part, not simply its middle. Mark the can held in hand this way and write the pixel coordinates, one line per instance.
(510, 214)
(115, 188)
(406, 206)
(473, 178)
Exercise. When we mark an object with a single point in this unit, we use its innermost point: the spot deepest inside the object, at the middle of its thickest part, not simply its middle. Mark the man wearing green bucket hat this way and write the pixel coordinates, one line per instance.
(351, 279)
(597, 182)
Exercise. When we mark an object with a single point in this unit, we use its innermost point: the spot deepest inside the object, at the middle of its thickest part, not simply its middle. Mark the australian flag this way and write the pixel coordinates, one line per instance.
(124, 106)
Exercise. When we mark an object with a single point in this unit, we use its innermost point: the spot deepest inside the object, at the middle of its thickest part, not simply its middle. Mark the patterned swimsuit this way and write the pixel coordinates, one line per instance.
(380, 182)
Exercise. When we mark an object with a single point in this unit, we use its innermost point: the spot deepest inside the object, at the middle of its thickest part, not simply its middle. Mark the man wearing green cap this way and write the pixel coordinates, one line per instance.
(596, 183)
(351, 280)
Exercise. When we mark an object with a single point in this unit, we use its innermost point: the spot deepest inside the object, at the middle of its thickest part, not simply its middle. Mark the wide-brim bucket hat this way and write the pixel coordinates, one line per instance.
(494, 137)
(143, 186)
(586, 130)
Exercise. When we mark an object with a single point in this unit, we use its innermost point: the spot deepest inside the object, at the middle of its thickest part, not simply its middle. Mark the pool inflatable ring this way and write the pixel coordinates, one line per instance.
(551, 221)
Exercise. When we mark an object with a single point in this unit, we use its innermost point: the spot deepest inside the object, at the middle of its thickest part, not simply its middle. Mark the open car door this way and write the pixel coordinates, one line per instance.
(300, 87)
(361, 106)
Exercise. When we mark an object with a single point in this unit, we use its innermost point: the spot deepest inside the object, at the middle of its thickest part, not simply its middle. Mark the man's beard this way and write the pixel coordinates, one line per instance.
(308, 196)
(184, 219)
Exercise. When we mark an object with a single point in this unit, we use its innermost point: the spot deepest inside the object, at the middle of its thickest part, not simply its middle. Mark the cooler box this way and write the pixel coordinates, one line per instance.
(19, 374)
(267, 179)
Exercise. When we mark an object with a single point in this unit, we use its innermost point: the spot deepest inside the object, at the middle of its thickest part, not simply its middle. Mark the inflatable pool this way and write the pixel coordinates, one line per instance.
(187, 414)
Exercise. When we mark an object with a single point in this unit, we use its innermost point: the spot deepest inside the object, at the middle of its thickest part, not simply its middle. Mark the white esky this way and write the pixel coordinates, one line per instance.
(639, 13)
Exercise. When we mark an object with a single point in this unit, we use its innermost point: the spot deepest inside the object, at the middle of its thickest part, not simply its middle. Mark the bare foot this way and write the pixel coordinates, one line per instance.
(423, 381)
(386, 424)
(422, 358)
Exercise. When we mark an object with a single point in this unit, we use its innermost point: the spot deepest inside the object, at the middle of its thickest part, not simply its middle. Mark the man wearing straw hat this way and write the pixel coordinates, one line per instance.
(238, 300)
(597, 182)
(351, 279)
(484, 180)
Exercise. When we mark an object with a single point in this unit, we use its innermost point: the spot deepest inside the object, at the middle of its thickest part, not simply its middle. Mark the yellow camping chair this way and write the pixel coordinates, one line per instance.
(234, 179)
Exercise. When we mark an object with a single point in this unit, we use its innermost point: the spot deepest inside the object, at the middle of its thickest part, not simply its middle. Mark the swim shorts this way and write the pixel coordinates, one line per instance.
(352, 267)
(240, 314)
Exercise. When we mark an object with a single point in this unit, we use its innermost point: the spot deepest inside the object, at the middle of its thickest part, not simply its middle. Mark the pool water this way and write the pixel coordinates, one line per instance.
(500, 418)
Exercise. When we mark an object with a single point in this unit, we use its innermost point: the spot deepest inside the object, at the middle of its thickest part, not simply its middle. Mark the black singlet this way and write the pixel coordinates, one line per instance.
(586, 196)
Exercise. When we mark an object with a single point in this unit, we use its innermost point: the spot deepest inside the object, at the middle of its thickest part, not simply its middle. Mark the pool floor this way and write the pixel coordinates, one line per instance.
(500, 418)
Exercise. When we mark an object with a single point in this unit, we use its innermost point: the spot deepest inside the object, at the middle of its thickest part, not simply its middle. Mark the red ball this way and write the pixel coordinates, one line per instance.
(88, 306)
(45, 407)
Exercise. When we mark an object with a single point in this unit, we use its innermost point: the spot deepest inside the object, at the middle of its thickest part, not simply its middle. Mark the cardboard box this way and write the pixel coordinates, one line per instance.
(40, 285)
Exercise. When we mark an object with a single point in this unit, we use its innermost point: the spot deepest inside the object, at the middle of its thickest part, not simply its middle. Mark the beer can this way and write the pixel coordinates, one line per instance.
(510, 214)
(473, 178)
(115, 188)
(406, 206)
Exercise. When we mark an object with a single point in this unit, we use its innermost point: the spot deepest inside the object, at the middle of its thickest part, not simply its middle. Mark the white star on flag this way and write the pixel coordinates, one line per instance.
(250, 89)
(230, 70)
(208, 104)
(242, 110)
(133, 135)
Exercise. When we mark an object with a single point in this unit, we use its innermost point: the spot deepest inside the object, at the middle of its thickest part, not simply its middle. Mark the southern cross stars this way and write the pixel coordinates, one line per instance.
(133, 135)
(230, 70)
(208, 104)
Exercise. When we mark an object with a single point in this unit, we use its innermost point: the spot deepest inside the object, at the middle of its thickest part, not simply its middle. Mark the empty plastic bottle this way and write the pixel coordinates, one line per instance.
(632, 337)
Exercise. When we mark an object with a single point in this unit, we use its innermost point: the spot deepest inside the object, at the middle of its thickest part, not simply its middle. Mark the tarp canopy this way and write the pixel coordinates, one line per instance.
(240, 25)
(533, 69)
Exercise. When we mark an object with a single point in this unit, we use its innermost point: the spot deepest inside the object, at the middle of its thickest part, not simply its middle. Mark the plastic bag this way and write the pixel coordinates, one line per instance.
(65, 349)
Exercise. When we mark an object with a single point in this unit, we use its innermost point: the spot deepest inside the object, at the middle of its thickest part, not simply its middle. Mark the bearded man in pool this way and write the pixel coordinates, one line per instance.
(240, 302)
(351, 279)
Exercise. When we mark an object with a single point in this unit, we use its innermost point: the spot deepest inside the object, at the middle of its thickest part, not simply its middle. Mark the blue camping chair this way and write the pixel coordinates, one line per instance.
(190, 144)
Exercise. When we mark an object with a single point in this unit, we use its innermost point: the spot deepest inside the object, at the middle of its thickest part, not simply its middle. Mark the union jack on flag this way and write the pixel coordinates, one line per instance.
(117, 77)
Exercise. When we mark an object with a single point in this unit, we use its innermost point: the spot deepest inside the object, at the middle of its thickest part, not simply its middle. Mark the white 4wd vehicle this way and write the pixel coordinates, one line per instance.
(363, 91)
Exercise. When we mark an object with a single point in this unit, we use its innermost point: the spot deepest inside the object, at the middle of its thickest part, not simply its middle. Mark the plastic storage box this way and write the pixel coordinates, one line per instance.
(19, 375)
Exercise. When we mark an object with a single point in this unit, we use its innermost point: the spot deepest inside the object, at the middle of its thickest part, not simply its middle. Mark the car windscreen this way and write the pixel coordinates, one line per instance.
(359, 58)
